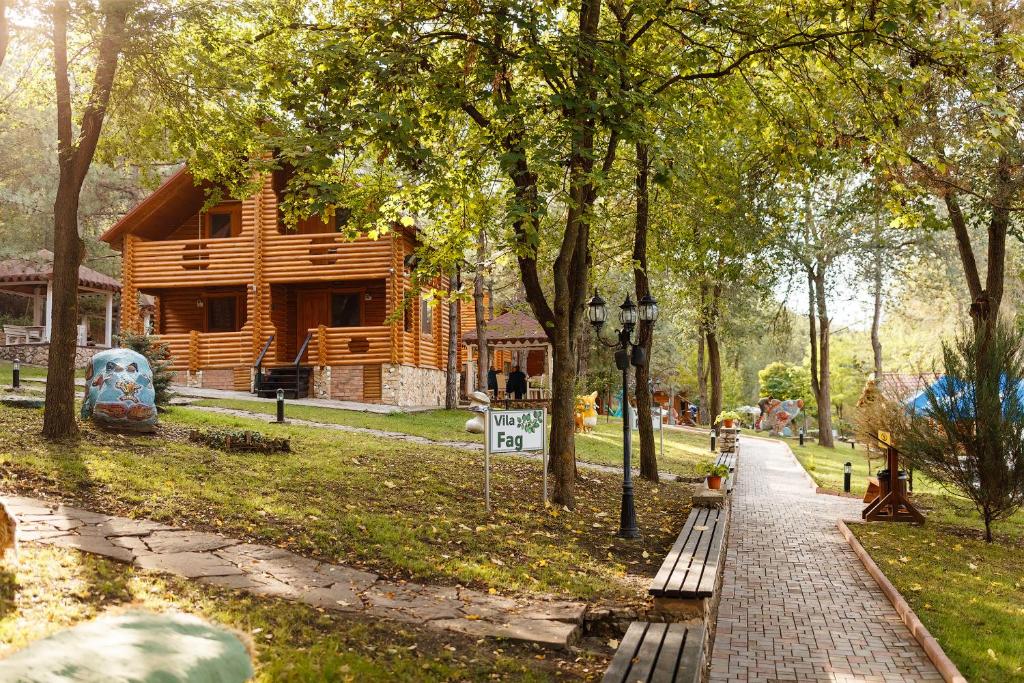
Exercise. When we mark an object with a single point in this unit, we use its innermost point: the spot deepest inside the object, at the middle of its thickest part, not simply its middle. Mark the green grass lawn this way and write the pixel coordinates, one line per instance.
(53, 588)
(7, 368)
(968, 593)
(683, 450)
(401, 509)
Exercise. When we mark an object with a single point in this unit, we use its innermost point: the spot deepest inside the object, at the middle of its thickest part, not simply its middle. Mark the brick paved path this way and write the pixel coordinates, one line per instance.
(797, 604)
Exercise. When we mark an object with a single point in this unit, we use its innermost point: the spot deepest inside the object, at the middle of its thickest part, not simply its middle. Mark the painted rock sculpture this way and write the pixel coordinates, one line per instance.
(779, 416)
(586, 412)
(119, 391)
(479, 402)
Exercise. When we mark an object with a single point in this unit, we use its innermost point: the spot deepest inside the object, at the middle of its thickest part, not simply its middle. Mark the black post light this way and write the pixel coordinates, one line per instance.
(714, 438)
(801, 436)
(16, 374)
(280, 405)
(626, 353)
(847, 474)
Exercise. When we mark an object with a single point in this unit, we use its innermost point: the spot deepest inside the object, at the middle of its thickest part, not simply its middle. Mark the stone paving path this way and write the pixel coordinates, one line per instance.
(797, 604)
(273, 572)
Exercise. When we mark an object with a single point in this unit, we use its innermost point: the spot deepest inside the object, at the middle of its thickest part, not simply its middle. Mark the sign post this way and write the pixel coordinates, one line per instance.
(515, 431)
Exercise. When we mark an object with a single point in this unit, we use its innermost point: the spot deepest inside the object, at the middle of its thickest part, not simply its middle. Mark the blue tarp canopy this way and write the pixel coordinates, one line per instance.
(949, 389)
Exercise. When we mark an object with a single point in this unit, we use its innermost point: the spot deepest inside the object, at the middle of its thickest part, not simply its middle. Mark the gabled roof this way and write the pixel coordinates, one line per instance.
(170, 204)
(899, 386)
(17, 271)
(510, 327)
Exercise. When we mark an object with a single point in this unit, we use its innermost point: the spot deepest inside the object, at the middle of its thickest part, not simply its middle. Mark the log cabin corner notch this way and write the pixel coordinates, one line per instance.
(233, 290)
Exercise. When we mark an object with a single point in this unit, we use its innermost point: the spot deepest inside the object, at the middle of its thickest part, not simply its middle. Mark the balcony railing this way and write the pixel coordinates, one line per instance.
(327, 256)
(177, 263)
(194, 350)
(349, 345)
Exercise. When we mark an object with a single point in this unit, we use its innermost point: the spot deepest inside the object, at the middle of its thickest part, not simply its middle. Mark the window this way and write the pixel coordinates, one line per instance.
(223, 221)
(426, 317)
(222, 314)
(346, 310)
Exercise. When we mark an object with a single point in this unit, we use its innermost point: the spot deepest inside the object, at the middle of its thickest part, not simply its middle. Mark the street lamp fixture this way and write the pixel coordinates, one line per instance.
(626, 353)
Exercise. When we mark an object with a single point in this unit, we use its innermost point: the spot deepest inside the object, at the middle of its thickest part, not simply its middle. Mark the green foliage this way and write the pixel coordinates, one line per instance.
(708, 468)
(245, 440)
(971, 436)
(159, 356)
(728, 415)
(786, 381)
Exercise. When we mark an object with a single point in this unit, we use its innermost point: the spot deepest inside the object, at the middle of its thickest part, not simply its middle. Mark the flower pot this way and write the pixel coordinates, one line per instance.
(714, 483)
(727, 424)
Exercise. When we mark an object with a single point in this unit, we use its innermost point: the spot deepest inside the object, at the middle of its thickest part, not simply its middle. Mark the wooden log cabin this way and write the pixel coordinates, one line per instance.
(248, 304)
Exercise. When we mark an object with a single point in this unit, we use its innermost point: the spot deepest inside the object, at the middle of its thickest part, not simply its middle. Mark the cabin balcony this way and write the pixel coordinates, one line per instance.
(191, 263)
(324, 257)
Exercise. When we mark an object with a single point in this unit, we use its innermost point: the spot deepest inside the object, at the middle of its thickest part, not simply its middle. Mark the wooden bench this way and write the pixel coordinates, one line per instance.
(727, 459)
(690, 572)
(658, 653)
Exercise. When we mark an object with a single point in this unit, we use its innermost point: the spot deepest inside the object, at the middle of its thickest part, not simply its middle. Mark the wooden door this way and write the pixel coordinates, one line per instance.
(314, 309)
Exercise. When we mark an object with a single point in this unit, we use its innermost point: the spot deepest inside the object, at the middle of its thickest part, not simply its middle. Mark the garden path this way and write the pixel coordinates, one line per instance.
(273, 572)
(797, 604)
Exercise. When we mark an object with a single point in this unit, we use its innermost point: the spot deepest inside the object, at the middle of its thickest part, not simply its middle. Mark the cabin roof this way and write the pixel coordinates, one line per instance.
(39, 268)
(510, 327)
(169, 205)
(899, 386)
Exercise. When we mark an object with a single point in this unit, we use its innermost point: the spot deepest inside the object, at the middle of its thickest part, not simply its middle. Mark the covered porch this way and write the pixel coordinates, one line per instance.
(32, 278)
(514, 339)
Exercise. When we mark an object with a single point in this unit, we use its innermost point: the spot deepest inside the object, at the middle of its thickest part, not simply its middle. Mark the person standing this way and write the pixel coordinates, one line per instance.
(516, 384)
(492, 383)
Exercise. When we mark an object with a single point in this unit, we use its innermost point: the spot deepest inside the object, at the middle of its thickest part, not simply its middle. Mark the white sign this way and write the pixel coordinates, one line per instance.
(515, 431)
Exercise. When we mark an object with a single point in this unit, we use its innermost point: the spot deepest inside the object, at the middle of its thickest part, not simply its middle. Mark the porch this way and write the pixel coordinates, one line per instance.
(32, 278)
(513, 340)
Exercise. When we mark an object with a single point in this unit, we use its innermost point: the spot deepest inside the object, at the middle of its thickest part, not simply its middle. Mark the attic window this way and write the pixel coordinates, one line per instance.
(223, 221)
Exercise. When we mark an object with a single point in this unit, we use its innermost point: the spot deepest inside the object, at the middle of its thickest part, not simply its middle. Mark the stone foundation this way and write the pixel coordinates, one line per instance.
(405, 385)
(39, 354)
(346, 382)
(221, 378)
(321, 381)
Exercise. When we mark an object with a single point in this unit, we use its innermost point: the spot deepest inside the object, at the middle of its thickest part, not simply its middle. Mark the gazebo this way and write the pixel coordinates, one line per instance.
(524, 340)
(33, 278)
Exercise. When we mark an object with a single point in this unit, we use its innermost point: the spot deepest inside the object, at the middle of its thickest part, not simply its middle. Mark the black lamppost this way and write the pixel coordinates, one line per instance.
(626, 353)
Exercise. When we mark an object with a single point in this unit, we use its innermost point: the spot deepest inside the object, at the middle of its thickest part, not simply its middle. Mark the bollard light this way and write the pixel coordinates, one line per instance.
(801, 436)
(853, 445)
(847, 474)
(280, 405)
(16, 374)
(713, 438)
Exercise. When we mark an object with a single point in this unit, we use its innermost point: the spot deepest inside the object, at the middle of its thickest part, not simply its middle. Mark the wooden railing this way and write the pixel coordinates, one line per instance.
(321, 257)
(195, 350)
(350, 346)
(183, 263)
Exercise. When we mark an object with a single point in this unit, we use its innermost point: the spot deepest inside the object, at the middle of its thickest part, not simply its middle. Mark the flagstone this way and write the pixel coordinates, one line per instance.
(182, 541)
(188, 564)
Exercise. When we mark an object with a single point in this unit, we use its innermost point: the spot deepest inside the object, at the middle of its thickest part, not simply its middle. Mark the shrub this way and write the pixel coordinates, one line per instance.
(707, 468)
(971, 436)
(159, 356)
(239, 440)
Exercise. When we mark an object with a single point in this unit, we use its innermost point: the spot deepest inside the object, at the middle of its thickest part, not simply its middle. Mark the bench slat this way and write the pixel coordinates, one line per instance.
(689, 669)
(703, 562)
(649, 653)
(669, 564)
(628, 646)
(671, 654)
(708, 579)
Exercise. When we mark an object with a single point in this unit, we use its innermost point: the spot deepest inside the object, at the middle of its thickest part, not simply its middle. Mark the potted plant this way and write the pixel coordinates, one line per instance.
(713, 473)
(727, 418)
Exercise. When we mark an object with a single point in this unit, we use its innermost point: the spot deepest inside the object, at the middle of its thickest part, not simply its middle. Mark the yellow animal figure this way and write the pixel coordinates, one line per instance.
(586, 412)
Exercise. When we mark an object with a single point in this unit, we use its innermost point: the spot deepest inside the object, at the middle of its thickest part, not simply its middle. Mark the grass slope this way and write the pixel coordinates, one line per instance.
(682, 451)
(403, 510)
(53, 588)
(968, 593)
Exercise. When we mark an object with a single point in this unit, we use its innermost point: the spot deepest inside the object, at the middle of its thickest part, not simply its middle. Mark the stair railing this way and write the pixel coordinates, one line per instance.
(298, 361)
(258, 367)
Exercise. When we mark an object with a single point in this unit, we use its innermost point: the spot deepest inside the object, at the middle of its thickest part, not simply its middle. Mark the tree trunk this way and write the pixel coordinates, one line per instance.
(876, 318)
(451, 393)
(714, 354)
(813, 329)
(824, 374)
(74, 157)
(702, 383)
(645, 330)
(483, 360)
(5, 30)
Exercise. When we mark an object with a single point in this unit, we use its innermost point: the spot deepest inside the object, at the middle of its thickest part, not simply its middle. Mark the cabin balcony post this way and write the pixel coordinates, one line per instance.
(108, 320)
(129, 294)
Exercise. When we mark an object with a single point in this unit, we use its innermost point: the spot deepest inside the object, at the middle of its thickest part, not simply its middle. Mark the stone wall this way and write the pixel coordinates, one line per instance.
(39, 354)
(405, 385)
(346, 382)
